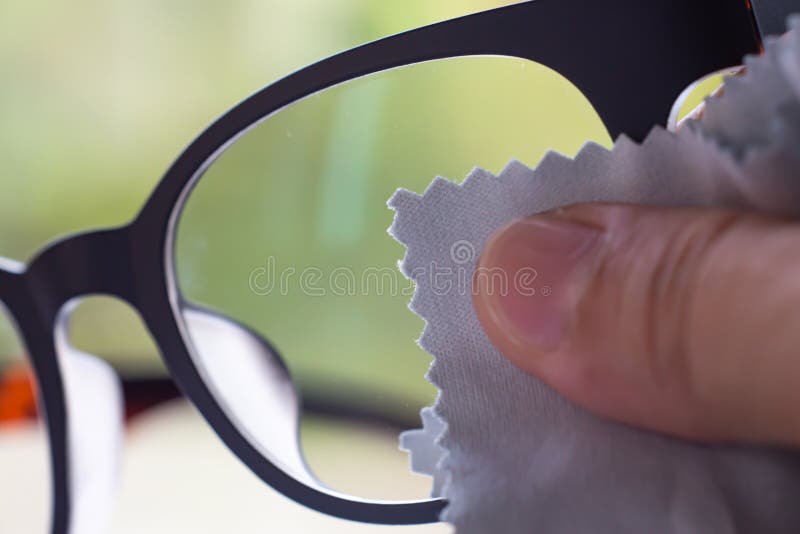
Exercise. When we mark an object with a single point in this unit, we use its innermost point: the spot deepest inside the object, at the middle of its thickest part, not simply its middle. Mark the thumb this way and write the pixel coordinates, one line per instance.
(683, 321)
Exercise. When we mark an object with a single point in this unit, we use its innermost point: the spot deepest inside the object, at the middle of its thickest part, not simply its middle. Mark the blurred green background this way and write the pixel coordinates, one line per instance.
(99, 97)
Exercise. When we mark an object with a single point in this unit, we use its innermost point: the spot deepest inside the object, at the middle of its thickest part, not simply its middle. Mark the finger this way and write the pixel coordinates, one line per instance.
(679, 320)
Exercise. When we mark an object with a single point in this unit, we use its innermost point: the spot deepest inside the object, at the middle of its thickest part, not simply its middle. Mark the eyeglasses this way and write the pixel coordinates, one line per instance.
(266, 221)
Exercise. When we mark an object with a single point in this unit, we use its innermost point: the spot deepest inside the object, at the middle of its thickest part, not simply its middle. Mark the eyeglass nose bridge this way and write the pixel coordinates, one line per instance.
(97, 262)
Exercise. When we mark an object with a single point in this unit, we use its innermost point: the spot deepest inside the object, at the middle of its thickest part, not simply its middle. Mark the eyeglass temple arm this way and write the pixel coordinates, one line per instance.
(94, 409)
(771, 15)
(280, 409)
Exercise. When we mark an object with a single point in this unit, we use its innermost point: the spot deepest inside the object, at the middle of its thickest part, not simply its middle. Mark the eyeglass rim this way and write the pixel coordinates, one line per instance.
(452, 38)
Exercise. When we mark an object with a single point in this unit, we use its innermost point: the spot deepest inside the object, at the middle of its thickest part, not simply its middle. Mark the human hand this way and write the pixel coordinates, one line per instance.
(682, 321)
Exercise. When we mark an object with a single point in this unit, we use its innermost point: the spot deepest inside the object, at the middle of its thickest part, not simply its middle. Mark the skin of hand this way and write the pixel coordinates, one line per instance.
(682, 321)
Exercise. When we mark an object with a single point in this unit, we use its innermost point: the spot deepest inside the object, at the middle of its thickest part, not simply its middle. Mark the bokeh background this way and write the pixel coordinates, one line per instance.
(98, 97)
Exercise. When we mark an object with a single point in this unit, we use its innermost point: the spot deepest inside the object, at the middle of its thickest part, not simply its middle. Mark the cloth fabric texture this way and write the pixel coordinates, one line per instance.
(511, 455)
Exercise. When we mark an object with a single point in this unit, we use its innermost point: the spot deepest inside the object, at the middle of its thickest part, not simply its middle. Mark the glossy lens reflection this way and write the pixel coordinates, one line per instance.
(24, 464)
(285, 235)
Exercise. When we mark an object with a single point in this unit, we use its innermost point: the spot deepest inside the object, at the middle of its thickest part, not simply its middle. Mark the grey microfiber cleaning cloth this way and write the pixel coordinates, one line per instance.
(510, 454)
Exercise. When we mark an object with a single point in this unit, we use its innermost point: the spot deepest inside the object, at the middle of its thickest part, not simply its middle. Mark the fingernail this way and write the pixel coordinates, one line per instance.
(530, 277)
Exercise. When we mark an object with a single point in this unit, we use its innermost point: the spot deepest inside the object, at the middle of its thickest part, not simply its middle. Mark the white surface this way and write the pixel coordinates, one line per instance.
(95, 427)
(178, 477)
(24, 479)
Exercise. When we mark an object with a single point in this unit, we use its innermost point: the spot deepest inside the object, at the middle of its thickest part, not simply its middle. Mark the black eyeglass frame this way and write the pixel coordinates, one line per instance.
(631, 59)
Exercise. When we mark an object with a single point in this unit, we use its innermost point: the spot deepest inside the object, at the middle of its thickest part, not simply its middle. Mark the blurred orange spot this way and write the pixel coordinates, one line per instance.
(17, 394)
